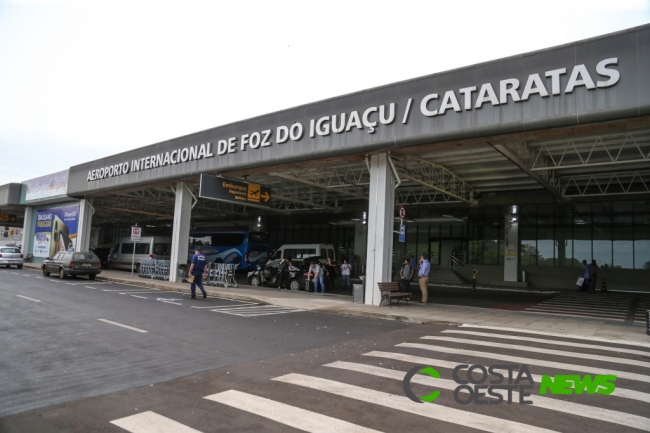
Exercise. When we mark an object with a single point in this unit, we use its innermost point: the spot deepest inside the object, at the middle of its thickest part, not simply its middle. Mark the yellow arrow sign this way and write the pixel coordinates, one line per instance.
(266, 196)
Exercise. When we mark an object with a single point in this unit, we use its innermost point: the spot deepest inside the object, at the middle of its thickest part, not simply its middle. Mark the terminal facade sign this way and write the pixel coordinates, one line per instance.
(592, 80)
(250, 194)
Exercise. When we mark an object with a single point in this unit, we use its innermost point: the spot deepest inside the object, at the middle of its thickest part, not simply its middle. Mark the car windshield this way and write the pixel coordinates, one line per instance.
(10, 250)
(85, 256)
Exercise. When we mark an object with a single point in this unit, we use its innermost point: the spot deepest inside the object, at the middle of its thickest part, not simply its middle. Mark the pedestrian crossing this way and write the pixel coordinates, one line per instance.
(255, 310)
(608, 306)
(372, 382)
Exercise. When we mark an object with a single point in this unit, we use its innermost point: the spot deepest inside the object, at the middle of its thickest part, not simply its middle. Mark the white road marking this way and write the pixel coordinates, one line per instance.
(540, 350)
(151, 422)
(619, 392)
(141, 297)
(531, 361)
(591, 412)
(25, 297)
(123, 326)
(544, 341)
(229, 307)
(292, 416)
(92, 288)
(123, 290)
(134, 291)
(558, 334)
(170, 302)
(396, 402)
(71, 284)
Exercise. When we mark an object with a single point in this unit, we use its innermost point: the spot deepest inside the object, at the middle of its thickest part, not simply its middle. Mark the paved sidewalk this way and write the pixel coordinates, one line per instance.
(414, 313)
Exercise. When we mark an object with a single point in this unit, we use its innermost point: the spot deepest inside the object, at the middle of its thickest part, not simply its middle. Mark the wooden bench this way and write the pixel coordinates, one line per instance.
(390, 291)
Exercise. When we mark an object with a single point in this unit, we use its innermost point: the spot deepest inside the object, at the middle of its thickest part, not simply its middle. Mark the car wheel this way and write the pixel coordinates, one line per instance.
(45, 273)
(61, 274)
(7, 266)
(92, 276)
(294, 284)
(255, 281)
(20, 266)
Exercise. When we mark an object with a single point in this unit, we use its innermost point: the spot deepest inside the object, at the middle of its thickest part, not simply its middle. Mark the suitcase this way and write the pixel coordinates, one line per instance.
(309, 286)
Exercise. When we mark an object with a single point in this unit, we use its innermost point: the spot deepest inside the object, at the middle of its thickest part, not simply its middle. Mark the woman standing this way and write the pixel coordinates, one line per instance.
(345, 274)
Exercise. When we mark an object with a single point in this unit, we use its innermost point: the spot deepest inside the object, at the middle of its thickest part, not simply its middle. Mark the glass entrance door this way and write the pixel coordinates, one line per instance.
(434, 252)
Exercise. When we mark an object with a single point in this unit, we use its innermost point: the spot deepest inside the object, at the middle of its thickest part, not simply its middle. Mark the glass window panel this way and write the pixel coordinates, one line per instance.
(491, 245)
(527, 242)
(602, 240)
(423, 240)
(623, 247)
(581, 243)
(545, 245)
(564, 241)
(642, 247)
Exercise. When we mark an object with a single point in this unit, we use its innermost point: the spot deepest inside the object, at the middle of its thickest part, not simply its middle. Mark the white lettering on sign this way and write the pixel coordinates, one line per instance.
(369, 119)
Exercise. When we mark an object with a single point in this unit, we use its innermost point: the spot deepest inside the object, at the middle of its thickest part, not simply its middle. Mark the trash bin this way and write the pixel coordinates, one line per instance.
(357, 293)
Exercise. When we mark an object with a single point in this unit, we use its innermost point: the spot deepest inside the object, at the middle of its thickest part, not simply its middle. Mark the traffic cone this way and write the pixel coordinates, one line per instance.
(603, 286)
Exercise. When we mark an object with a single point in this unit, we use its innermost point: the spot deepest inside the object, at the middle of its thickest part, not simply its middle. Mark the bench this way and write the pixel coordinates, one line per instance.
(390, 291)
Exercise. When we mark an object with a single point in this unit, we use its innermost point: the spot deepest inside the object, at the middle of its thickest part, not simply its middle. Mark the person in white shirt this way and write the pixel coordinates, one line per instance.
(345, 274)
(317, 276)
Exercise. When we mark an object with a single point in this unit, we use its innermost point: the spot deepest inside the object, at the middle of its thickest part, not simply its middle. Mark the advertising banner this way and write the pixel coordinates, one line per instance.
(52, 185)
(56, 230)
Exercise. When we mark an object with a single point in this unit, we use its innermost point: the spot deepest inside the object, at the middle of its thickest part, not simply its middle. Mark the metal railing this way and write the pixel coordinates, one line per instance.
(458, 266)
(154, 269)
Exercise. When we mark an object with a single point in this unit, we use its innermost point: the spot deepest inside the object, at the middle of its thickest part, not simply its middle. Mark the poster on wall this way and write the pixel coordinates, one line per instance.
(56, 230)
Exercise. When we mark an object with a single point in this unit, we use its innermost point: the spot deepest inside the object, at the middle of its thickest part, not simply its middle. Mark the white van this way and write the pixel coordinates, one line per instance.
(148, 247)
(302, 251)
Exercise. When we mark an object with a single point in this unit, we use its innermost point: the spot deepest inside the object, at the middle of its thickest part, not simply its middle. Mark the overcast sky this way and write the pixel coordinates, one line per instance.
(80, 80)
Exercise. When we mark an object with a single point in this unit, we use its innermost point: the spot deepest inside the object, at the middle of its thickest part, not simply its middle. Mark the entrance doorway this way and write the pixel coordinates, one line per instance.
(440, 250)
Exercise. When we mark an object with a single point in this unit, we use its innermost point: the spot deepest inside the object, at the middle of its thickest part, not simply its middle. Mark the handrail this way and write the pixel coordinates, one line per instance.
(455, 263)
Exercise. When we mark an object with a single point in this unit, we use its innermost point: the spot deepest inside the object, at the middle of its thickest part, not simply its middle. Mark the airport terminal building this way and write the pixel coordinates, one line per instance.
(522, 167)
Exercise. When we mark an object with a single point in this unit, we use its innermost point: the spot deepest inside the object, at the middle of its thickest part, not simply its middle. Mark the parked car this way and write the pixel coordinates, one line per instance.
(268, 274)
(68, 263)
(11, 256)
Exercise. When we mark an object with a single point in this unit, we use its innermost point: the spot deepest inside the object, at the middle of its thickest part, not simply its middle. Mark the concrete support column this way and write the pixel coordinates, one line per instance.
(28, 231)
(181, 229)
(381, 221)
(511, 250)
(360, 246)
(85, 219)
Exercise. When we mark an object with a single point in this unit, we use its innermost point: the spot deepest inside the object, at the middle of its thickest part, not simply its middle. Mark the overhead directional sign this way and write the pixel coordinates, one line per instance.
(6, 218)
(234, 191)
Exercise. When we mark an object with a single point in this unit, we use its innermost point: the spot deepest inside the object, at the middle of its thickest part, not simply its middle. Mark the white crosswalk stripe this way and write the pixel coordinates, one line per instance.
(292, 416)
(539, 350)
(256, 310)
(531, 361)
(435, 411)
(545, 414)
(151, 422)
(577, 409)
(618, 392)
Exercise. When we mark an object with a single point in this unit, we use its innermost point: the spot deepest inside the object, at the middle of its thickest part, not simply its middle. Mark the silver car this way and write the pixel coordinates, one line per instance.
(11, 256)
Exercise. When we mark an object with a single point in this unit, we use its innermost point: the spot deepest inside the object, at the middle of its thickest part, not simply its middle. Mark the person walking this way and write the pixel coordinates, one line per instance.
(283, 273)
(586, 277)
(318, 276)
(423, 276)
(405, 274)
(593, 273)
(196, 270)
(346, 270)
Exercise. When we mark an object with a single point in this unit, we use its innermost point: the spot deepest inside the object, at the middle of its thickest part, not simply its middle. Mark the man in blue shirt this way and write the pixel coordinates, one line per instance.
(423, 276)
(196, 269)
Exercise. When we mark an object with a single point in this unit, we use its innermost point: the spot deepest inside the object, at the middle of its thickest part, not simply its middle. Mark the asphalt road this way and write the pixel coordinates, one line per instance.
(207, 370)
(61, 340)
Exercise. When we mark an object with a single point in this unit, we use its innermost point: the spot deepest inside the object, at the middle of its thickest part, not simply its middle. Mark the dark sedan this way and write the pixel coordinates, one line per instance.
(70, 263)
